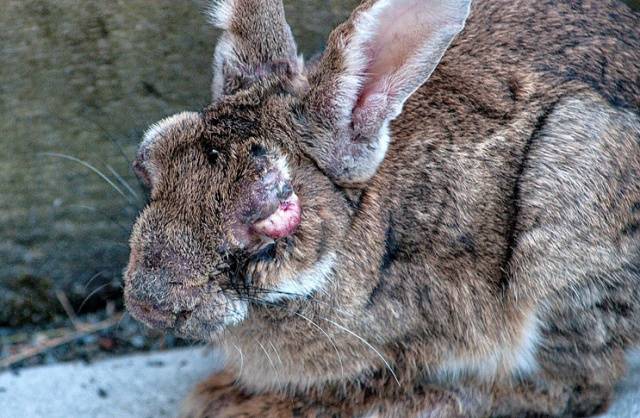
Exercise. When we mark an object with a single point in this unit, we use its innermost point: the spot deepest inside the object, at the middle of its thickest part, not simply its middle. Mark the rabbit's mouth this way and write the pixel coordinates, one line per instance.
(283, 222)
(198, 314)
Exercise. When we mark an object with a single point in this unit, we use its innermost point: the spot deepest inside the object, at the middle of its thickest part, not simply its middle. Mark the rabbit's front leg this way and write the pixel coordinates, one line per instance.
(219, 396)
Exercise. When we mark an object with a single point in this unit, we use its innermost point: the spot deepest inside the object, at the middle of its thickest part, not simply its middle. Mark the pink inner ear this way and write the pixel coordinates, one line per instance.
(397, 34)
(386, 52)
(403, 30)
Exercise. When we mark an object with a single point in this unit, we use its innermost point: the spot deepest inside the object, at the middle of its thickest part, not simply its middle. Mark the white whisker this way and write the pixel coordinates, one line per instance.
(268, 357)
(335, 347)
(328, 337)
(90, 167)
(96, 290)
(124, 183)
(95, 276)
(386, 363)
(277, 354)
(241, 360)
(126, 229)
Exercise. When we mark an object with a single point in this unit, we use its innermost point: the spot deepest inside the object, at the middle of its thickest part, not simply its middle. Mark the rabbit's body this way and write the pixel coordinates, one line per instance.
(513, 177)
(490, 266)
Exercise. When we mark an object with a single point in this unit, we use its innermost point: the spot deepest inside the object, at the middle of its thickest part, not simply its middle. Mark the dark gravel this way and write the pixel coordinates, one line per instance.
(127, 336)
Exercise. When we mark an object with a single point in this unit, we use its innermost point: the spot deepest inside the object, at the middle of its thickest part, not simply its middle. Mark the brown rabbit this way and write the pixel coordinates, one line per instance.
(370, 235)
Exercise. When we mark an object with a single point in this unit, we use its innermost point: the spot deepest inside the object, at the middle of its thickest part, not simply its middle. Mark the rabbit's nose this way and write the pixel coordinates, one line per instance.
(149, 314)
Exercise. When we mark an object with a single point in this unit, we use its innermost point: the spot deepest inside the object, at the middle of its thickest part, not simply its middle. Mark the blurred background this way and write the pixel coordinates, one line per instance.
(80, 80)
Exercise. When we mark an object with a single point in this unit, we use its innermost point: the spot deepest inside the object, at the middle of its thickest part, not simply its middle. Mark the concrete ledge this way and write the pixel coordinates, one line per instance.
(153, 385)
(138, 386)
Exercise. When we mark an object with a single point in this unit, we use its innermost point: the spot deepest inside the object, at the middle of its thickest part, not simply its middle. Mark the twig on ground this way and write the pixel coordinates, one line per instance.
(66, 305)
(81, 331)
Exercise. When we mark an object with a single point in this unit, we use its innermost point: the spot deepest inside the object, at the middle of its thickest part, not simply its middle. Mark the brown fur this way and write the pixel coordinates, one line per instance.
(507, 205)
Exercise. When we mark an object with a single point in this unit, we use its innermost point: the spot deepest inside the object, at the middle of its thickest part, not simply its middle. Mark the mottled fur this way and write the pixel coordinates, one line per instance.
(490, 266)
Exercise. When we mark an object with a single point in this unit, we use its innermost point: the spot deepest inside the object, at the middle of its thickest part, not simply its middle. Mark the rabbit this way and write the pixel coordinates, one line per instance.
(438, 217)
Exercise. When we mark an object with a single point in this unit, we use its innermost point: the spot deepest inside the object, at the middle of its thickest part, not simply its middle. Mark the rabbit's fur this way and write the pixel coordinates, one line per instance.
(469, 248)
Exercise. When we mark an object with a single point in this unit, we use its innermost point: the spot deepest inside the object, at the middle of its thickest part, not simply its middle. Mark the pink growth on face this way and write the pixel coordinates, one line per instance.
(283, 222)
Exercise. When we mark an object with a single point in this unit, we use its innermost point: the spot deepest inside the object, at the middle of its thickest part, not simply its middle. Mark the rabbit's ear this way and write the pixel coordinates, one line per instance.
(372, 64)
(256, 41)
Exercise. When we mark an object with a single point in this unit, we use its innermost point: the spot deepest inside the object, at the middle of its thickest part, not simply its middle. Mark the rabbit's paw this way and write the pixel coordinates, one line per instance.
(219, 397)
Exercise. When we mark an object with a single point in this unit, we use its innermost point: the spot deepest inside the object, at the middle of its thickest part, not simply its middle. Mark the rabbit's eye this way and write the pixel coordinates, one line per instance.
(258, 151)
(212, 156)
(211, 153)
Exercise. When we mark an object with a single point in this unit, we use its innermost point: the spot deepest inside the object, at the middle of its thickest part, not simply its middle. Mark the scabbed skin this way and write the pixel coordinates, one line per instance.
(492, 262)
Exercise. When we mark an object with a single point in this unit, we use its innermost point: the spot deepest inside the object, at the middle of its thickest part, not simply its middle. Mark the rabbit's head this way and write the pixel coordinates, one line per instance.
(247, 197)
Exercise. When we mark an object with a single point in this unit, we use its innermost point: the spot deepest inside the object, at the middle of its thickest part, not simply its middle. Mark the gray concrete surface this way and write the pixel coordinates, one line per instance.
(152, 385)
(138, 386)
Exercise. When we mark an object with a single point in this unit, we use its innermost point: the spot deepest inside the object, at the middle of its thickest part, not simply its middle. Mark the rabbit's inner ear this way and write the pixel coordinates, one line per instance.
(380, 56)
(256, 42)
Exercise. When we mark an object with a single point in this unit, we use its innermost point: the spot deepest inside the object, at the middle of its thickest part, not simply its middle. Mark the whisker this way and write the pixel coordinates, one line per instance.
(328, 337)
(347, 330)
(268, 357)
(119, 324)
(111, 218)
(96, 290)
(95, 276)
(106, 133)
(90, 167)
(241, 360)
(365, 342)
(277, 354)
(124, 183)
(331, 341)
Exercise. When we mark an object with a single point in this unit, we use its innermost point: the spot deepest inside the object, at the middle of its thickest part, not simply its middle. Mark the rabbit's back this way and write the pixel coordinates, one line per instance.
(516, 169)
(453, 177)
